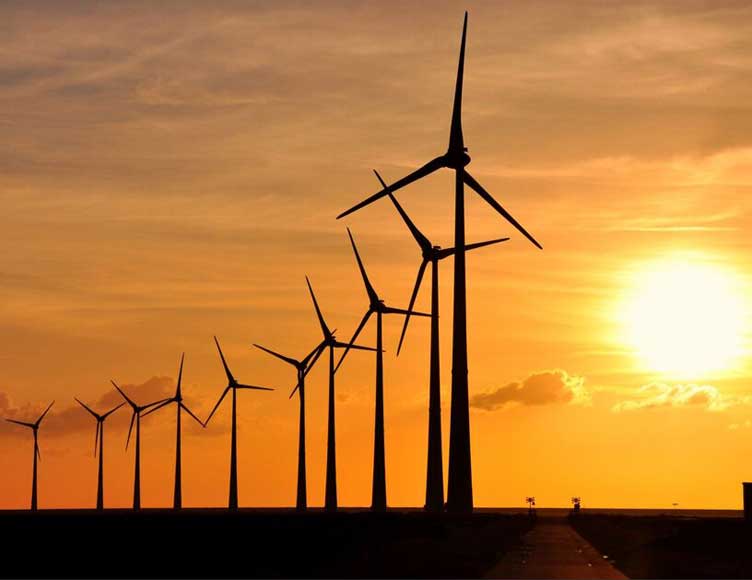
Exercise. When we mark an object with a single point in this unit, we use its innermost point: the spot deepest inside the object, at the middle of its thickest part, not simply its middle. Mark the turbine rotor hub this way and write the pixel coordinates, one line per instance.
(432, 253)
(457, 159)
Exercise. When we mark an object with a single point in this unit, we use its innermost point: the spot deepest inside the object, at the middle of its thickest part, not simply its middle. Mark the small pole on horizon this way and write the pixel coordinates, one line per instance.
(530, 506)
(576, 505)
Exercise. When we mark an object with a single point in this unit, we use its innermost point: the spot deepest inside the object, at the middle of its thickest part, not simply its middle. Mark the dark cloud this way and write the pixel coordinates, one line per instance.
(16, 75)
(544, 388)
(27, 412)
(66, 418)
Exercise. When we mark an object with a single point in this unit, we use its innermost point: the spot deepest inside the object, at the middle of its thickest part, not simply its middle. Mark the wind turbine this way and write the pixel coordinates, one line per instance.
(99, 438)
(177, 502)
(330, 342)
(460, 492)
(376, 306)
(233, 385)
(136, 416)
(302, 367)
(431, 254)
(37, 455)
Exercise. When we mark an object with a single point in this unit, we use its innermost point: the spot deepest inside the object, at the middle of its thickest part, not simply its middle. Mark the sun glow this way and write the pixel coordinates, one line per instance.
(685, 318)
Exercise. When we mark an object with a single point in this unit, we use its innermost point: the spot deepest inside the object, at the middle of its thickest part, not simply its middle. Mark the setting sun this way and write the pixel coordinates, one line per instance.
(685, 318)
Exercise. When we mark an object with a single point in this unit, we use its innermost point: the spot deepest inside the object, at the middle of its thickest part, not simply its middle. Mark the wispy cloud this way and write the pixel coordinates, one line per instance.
(657, 395)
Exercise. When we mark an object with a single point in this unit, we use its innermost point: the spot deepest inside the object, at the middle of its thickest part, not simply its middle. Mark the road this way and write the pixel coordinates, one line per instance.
(553, 549)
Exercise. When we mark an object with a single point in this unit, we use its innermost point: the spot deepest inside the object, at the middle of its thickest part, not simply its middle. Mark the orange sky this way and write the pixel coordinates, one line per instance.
(169, 173)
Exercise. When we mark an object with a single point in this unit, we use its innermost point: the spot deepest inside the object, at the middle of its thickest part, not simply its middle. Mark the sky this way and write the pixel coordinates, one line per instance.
(172, 172)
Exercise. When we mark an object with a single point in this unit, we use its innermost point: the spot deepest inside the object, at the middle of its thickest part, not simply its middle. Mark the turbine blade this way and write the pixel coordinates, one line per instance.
(486, 243)
(287, 359)
(227, 389)
(128, 399)
(350, 345)
(390, 310)
(305, 362)
(130, 429)
(339, 344)
(414, 295)
(96, 438)
(145, 407)
(427, 169)
(230, 378)
(450, 251)
(456, 141)
(254, 387)
(294, 390)
(24, 423)
(324, 327)
(423, 241)
(36, 448)
(95, 415)
(157, 406)
(111, 411)
(372, 296)
(45, 412)
(497, 206)
(315, 358)
(187, 410)
(180, 373)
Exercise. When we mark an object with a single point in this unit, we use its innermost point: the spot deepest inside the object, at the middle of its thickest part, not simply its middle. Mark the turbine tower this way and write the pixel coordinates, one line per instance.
(136, 416)
(177, 502)
(233, 385)
(99, 439)
(431, 254)
(460, 488)
(302, 367)
(330, 342)
(37, 455)
(376, 306)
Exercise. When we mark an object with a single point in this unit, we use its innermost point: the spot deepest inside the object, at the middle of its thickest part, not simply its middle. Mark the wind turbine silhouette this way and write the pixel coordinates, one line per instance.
(431, 254)
(330, 342)
(233, 385)
(177, 502)
(375, 306)
(460, 488)
(99, 438)
(136, 416)
(37, 455)
(302, 367)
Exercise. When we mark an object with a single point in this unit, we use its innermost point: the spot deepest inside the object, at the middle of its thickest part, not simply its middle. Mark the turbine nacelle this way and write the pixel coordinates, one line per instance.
(454, 159)
(232, 385)
(432, 253)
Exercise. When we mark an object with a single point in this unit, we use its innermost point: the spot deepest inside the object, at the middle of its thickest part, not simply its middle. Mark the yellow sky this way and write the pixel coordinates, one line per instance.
(169, 173)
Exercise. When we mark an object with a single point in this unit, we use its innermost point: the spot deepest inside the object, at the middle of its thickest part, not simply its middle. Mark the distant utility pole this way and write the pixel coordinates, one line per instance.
(575, 505)
(530, 505)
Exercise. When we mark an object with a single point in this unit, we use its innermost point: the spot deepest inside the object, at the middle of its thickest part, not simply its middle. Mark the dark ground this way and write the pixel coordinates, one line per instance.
(671, 546)
(253, 543)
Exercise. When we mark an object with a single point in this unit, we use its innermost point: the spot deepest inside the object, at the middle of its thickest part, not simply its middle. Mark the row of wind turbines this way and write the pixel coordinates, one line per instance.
(459, 490)
(137, 412)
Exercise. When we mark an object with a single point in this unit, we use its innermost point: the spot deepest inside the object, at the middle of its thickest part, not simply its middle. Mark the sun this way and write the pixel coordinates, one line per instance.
(684, 318)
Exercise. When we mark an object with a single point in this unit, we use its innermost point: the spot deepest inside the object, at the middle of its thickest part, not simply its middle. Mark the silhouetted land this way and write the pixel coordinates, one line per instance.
(671, 546)
(254, 543)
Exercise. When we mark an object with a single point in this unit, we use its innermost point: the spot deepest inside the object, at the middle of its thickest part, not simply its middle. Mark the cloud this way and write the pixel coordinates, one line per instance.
(736, 426)
(73, 419)
(9, 410)
(544, 388)
(662, 395)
